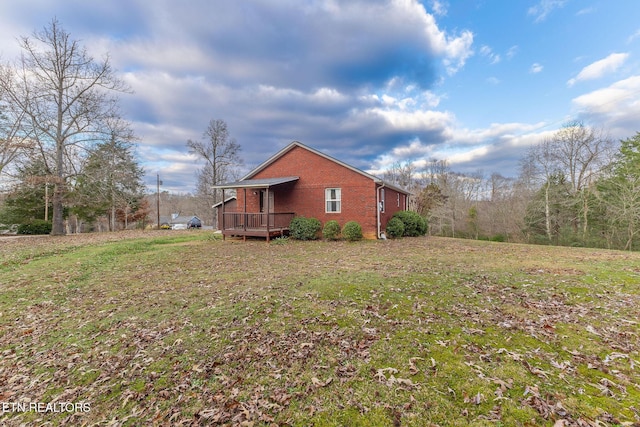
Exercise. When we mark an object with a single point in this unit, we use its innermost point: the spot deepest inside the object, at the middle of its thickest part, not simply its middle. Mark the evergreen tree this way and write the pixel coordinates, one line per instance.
(30, 197)
(550, 213)
(620, 195)
(110, 186)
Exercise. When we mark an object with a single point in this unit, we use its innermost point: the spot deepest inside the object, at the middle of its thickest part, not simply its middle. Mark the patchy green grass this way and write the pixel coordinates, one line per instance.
(180, 328)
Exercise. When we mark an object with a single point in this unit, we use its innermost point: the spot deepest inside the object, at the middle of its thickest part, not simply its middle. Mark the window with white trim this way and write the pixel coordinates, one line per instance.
(333, 200)
(381, 200)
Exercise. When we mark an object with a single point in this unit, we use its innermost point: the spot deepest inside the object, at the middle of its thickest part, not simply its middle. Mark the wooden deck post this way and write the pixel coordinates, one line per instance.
(244, 220)
(268, 213)
(222, 222)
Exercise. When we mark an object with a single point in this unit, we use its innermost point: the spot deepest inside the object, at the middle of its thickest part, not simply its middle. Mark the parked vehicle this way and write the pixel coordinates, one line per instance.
(194, 223)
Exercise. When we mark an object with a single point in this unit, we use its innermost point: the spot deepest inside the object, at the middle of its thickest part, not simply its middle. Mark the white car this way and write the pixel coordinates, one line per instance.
(179, 227)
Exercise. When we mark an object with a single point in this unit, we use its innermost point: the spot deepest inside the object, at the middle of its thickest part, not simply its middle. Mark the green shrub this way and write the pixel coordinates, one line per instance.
(280, 240)
(37, 226)
(302, 228)
(331, 230)
(414, 223)
(395, 228)
(352, 231)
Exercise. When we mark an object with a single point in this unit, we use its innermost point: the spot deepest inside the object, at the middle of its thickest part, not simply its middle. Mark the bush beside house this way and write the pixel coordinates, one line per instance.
(352, 231)
(395, 228)
(331, 230)
(302, 228)
(404, 223)
(414, 224)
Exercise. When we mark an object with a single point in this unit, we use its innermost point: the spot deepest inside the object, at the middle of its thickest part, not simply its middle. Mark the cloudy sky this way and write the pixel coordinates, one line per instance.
(370, 82)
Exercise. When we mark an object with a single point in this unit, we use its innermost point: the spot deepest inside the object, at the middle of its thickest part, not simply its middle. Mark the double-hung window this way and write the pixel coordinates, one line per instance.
(333, 200)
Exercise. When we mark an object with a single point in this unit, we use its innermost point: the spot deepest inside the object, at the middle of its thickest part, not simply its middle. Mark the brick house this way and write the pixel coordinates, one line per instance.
(301, 181)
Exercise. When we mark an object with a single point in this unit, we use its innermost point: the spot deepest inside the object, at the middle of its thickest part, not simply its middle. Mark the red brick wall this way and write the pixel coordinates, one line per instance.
(392, 204)
(306, 197)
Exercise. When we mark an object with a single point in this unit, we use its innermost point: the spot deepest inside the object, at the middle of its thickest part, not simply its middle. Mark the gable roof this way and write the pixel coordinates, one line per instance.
(294, 144)
(227, 200)
(258, 183)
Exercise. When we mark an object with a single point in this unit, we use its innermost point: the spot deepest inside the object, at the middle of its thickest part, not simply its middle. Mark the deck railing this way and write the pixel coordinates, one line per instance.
(259, 221)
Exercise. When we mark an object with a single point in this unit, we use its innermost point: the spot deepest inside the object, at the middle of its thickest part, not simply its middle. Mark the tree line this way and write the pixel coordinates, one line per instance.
(64, 146)
(69, 157)
(68, 154)
(577, 187)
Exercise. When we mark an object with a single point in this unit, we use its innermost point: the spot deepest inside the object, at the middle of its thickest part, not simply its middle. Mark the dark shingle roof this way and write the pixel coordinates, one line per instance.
(258, 183)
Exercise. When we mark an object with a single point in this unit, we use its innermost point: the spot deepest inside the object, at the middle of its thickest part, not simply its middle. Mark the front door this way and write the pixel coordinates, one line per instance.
(266, 205)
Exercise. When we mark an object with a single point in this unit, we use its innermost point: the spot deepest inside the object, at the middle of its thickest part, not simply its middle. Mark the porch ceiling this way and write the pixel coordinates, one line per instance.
(258, 183)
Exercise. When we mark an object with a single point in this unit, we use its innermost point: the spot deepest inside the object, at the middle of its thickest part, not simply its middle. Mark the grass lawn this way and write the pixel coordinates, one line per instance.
(178, 328)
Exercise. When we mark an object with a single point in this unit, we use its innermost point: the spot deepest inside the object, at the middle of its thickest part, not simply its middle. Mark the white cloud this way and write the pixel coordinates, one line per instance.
(634, 36)
(586, 11)
(615, 98)
(544, 8)
(458, 51)
(616, 107)
(498, 145)
(431, 100)
(536, 68)
(513, 50)
(495, 131)
(487, 52)
(413, 120)
(599, 68)
(439, 7)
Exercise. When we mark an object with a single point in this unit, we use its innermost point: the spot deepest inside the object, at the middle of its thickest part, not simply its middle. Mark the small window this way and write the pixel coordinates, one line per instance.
(398, 199)
(381, 200)
(333, 200)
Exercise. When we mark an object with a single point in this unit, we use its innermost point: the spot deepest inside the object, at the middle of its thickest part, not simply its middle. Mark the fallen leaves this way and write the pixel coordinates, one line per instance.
(318, 383)
(413, 369)
(206, 340)
(391, 380)
(535, 370)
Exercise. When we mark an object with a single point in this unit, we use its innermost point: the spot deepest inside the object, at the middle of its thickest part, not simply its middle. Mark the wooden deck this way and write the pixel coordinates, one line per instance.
(256, 224)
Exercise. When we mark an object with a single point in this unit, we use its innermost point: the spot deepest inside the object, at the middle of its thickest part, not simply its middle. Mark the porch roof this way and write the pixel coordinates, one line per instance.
(258, 183)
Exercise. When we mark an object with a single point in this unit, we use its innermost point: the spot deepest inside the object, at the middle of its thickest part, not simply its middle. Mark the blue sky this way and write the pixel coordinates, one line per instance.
(369, 82)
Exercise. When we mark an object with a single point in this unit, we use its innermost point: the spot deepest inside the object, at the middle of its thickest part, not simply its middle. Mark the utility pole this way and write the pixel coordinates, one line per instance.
(158, 182)
(46, 201)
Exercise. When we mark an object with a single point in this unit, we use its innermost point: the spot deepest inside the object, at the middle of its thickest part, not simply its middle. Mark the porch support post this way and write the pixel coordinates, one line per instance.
(244, 222)
(219, 221)
(377, 211)
(268, 214)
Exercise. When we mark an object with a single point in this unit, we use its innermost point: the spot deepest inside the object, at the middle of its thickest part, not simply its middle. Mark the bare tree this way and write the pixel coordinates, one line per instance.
(506, 207)
(222, 160)
(402, 174)
(538, 166)
(582, 153)
(11, 145)
(435, 199)
(65, 96)
(575, 156)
